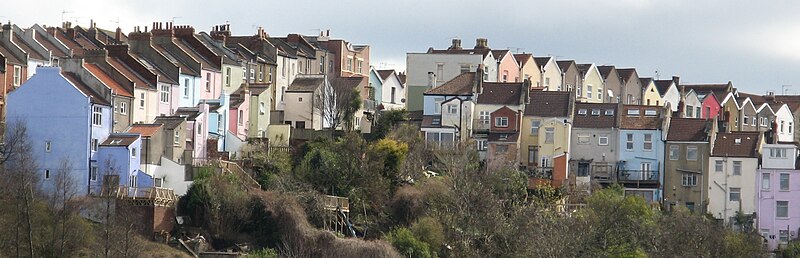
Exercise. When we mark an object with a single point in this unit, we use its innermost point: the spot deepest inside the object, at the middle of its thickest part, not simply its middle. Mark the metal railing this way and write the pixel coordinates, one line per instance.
(637, 175)
(540, 172)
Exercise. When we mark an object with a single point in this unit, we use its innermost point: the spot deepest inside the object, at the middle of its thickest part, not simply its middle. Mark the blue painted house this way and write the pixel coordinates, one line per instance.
(66, 120)
(640, 162)
(376, 86)
(120, 155)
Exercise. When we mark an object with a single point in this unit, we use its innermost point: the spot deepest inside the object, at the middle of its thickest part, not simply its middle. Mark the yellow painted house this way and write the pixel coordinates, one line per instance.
(545, 131)
(650, 94)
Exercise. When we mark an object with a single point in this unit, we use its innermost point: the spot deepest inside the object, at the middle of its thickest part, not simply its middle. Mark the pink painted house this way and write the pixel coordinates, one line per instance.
(239, 114)
(507, 66)
(710, 105)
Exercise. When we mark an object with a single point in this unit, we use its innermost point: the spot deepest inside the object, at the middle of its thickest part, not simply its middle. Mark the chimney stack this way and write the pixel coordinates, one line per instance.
(676, 80)
(456, 44)
(481, 43)
(431, 80)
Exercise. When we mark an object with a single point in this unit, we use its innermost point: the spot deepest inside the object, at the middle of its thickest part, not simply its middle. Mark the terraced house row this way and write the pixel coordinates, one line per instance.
(136, 114)
(705, 147)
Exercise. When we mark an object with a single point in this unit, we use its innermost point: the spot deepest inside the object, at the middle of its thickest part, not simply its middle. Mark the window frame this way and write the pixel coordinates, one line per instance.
(737, 168)
(787, 186)
(501, 121)
(600, 140)
(766, 181)
(778, 208)
(674, 152)
(689, 150)
(97, 116)
(734, 191)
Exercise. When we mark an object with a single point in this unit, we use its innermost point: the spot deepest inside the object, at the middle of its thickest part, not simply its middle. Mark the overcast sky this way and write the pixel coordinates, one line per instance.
(755, 44)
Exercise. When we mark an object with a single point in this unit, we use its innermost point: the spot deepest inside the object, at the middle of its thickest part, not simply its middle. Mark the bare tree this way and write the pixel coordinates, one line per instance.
(21, 182)
(338, 103)
(64, 204)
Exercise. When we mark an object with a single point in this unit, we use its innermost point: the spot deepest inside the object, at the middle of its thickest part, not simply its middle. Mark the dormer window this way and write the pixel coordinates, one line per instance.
(582, 112)
(501, 121)
(737, 141)
(650, 112)
(609, 112)
(595, 112)
(633, 112)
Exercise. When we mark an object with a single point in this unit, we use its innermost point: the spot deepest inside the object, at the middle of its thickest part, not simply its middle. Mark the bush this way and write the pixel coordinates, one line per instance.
(407, 244)
(430, 231)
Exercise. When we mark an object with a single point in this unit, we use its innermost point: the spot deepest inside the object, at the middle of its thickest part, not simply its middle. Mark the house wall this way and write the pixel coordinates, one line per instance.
(201, 122)
(711, 107)
(210, 84)
(189, 90)
(767, 221)
(123, 164)
(634, 158)
(570, 78)
(232, 78)
(719, 203)
(166, 107)
(239, 129)
(48, 99)
(399, 101)
(673, 97)
(614, 84)
(513, 120)
(375, 82)
(302, 110)
(530, 71)
(287, 71)
(651, 97)
(508, 65)
(259, 115)
(173, 176)
(592, 150)
(764, 125)
(729, 111)
(635, 89)
(553, 73)
(594, 80)
(784, 116)
(675, 193)
(149, 111)
(122, 120)
(748, 111)
(152, 150)
(691, 101)
(502, 159)
(561, 138)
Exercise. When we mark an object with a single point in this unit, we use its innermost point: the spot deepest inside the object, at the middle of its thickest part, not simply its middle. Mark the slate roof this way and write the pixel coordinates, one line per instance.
(626, 73)
(605, 70)
(106, 79)
(25, 47)
(10, 58)
(460, 85)
(186, 47)
(523, 59)
(120, 140)
(542, 61)
(565, 64)
(645, 81)
(479, 51)
(689, 129)
(129, 73)
(549, 104)
(94, 97)
(499, 54)
(726, 146)
(498, 93)
(349, 82)
(402, 78)
(662, 86)
(384, 74)
(603, 120)
(584, 68)
(719, 90)
(641, 121)
(184, 68)
(306, 83)
(146, 130)
(258, 88)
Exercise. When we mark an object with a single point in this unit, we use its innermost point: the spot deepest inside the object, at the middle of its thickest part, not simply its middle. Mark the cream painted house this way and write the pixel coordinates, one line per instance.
(528, 68)
(732, 170)
(300, 100)
(545, 132)
(590, 87)
(550, 74)
(650, 95)
(692, 106)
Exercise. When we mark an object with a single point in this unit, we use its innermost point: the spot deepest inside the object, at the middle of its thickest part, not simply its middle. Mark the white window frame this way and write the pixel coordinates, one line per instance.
(501, 121)
(94, 144)
(123, 108)
(766, 181)
(164, 93)
(689, 179)
(93, 172)
(734, 191)
(719, 165)
(737, 168)
(535, 125)
(484, 117)
(602, 140)
(629, 142)
(674, 152)
(647, 142)
(788, 185)
(48, 146)
(778, 209)
(97, 116)
(689, 150)
(17, 75)
(549, 135)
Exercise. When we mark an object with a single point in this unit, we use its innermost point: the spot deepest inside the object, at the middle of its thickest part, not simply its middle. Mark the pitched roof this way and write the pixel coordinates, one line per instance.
(94, 97)
(120, 140)
(689, 129)
(584, 68)
(402, 78)
(460, 85)
(106, 79)
(479, 51)
(719, 90)
(349, 82)
(542, 61)
(191, 113)
(306, 83)
(146, 130)
(138, 81)
(626, 73)
(726, 144)
(642, 121)
(605, 71)
(258, 88)
(565, 64)
(662, 86)
(588, 120)
(523, 58)
(645, 81)
(10, 58)
(499, 54)
(384, 74)
(549, 104)
(498, 93)
(27, 48)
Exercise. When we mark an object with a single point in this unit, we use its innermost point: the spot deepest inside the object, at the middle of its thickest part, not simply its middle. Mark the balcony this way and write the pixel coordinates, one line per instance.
(142, 196)
(540, 172)
(481, 125)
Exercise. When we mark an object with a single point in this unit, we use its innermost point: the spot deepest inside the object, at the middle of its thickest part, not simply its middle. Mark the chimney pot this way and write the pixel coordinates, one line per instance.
(481, 43)
(456, 44)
